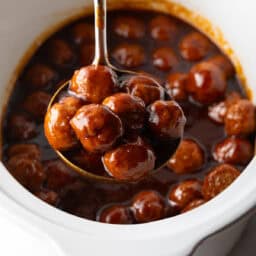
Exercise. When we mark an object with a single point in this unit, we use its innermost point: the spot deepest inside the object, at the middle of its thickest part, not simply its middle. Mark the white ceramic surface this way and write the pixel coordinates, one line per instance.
(23, 21)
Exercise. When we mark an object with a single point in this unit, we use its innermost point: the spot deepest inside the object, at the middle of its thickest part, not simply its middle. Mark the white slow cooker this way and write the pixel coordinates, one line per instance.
(210, 230)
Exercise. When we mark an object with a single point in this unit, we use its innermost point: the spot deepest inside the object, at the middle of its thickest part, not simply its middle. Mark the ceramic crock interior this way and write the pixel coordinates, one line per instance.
(17, 41)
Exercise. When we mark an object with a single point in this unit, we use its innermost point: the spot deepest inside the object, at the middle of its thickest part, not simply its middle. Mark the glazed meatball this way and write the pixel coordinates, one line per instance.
(176, 86)
(40, 76)
(56, 125)
(166, 119)
(162, 28)
(129, 55)
(48, 196)
(87, 54)
(31, 151)
(224, 64)
(148, 206)
(97, 127)
(194, 46)
(185, 192)
(58, 175)
(240, 118)
(93, 83)
(60, 53)
(82, 33)
(36, 103)
(217, 112)
(29, 172)
(129, 27)
(218, 179)
(144, 88)
(131, 110)
(206, 83)
(233, 151)
(116, 214)
(129, 162)
(194, 204)
(164, 58)
(188, 158)
(21, 127)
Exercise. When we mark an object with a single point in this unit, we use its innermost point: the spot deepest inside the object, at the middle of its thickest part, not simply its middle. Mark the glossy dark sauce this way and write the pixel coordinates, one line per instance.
(86, 198)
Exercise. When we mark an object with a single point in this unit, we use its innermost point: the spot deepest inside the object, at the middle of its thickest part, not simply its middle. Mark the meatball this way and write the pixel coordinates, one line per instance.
(36, 103)
(218, 179)
(129, 55)
(162, 28)
(40, 76)
(94, 83)
(129, 162)
(31, 151)
(145, 88)
(29, 172)
(176, 86)
(240, 118)
(217, 112)
(194, 204)
(21, 127)
(148, 206)
(206, 83)
(131, 110)
(129, 27)
(164, 58)
(166, 119)
(48, 196)
(58, 174)
(116, 214)
(194, 46)
(185, 192)
(233, 151)
(188, 158)
(87, 54)
(82, 33)
(56, 125)
(224, 64)
(60, 53)
(97, 127)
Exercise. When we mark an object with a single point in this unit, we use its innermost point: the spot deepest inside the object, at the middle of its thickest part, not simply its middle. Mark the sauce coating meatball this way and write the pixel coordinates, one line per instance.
(60, 53)
(176, 86)
(233, 151)
(218, 179)
(36, 103)
(129, 27)
(224, 64)
(164, 58)
(82, 33)
(48, 196)
(145, 88)
(21, 127)
(129, 162)
(148, 206)
(206, 83)
(185, 192)
(162, 28)
(29, 172)
(189, 157)
(131, 110)
(129, 55)
(240, 118)
(217, 112)
(93, 83)
(194, 46)
(56, 124)
(97, 127)
(27, 150)
(194, 204)
(39, 76)
(166, 119)
(116, 214)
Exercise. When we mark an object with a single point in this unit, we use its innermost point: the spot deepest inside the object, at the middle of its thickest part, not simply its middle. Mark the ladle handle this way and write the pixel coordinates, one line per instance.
(101, 51)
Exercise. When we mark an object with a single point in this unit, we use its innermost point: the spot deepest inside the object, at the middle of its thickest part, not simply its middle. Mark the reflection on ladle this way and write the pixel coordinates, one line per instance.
(132, 139)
